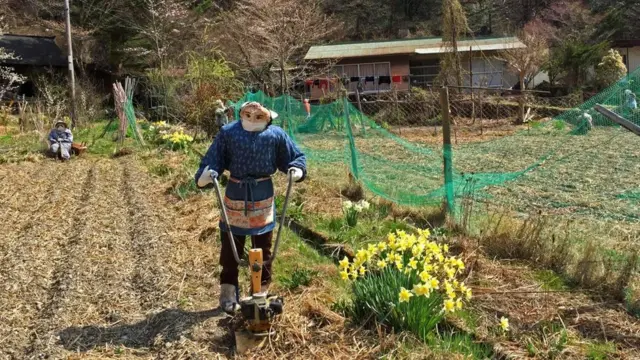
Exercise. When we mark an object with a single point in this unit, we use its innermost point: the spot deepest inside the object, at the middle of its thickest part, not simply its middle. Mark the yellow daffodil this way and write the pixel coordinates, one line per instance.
(435, 284)
(504, 323)
(448, 287)
(421, 289)
(362, 255)
(462, 287)
(391, 239)
(425, 276)
(459, 304)
(399, 265)
(372, 249)
(450, 273)
(468, 294)
(449, 306)
(362, 270)
(382, 246)
(344, 275)
(344, 263)
(405, 295)
(382, 264)
(413, 263)
(391, 257)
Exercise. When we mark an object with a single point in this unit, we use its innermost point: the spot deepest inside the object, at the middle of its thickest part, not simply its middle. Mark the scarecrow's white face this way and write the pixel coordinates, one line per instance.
(60, 128)
(254, 117)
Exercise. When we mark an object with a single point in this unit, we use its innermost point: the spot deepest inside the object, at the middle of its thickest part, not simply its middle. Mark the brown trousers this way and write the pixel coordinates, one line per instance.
(229, 274)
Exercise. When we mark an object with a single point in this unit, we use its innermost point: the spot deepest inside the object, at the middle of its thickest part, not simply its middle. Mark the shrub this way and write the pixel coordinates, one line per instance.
(610, 69)
(406, 282)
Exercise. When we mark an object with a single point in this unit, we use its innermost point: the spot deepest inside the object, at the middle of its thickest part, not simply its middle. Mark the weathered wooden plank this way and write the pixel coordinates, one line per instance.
(618, 119)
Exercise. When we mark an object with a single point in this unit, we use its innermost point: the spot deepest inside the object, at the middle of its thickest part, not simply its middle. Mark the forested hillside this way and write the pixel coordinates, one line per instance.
(136, 34)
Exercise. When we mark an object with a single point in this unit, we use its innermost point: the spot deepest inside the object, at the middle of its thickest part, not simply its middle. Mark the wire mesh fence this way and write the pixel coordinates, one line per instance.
(554, 165)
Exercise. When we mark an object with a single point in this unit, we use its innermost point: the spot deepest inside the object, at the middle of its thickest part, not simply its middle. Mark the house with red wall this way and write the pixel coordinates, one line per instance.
(379, 66)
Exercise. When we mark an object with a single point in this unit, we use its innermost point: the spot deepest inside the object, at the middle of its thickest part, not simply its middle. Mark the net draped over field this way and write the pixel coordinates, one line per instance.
(556, 167)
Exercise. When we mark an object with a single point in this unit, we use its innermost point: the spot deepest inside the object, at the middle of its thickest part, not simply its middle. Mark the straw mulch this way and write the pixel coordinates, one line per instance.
(511, 290)
(96, 261)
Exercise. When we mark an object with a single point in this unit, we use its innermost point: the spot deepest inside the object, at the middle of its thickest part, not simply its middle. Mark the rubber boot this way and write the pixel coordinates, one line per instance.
(228, 298)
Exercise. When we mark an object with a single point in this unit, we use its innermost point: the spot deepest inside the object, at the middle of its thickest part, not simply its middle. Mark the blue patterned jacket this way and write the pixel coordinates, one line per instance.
(249, 156)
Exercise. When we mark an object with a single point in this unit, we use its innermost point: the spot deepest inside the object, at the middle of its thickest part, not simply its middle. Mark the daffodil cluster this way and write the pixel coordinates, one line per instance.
(159, 126)
(351, 210)
(178, 139)
(414, 254)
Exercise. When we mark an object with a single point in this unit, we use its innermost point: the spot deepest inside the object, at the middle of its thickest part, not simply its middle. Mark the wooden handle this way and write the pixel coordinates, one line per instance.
(255, 267)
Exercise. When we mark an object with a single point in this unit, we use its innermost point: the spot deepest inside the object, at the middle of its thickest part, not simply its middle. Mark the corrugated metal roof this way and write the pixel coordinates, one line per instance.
(32, 50)
(410, 46)
(477, 45)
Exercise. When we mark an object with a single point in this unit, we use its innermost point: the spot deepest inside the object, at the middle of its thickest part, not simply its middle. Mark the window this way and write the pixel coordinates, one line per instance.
(424, 72)
(365, 70)
(487, 72)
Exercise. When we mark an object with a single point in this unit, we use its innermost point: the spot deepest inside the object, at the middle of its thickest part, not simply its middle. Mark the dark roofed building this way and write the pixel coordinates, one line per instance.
(37, 51)
(34, 55)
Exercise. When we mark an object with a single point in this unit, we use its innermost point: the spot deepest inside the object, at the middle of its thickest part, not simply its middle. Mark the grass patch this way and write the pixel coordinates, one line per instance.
(186, 188)
(549, 280)
(601, 351)
(299, 264)
(457, 343)
(160, 170)
(299, 277)
(367, 230)
(469, 318)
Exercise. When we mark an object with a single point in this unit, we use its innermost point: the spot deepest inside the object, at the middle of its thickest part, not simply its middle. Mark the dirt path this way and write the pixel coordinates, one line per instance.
(92, 261)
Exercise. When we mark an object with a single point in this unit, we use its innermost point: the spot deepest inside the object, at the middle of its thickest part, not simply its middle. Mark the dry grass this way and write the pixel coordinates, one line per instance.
(97, 260)
(539, 315)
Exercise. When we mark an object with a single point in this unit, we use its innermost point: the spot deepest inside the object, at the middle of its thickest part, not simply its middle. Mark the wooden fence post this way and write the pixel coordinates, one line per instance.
(447, 151)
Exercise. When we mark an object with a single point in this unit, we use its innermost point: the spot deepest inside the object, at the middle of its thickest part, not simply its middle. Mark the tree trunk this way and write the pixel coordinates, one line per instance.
(456, 54)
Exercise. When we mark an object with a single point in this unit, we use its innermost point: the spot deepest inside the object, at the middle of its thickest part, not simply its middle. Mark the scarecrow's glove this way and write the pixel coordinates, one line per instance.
(296, 174)
(207, 177)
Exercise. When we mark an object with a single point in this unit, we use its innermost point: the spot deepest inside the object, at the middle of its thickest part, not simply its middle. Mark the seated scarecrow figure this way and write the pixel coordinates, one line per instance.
(587, 122)
(252, 150)
(60, 140)
(631, 102)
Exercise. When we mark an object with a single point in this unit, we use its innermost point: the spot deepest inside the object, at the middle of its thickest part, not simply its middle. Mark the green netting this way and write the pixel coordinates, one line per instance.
(544, 168)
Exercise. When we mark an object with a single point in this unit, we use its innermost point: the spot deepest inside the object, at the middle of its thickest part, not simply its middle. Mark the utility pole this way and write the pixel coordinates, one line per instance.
(72, 77)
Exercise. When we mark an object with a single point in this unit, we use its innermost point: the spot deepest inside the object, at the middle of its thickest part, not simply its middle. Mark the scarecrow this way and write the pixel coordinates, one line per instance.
(631, 102)
(60, 140)
(307, 107)
(586, 124)
(252, 150)
(221, 114)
